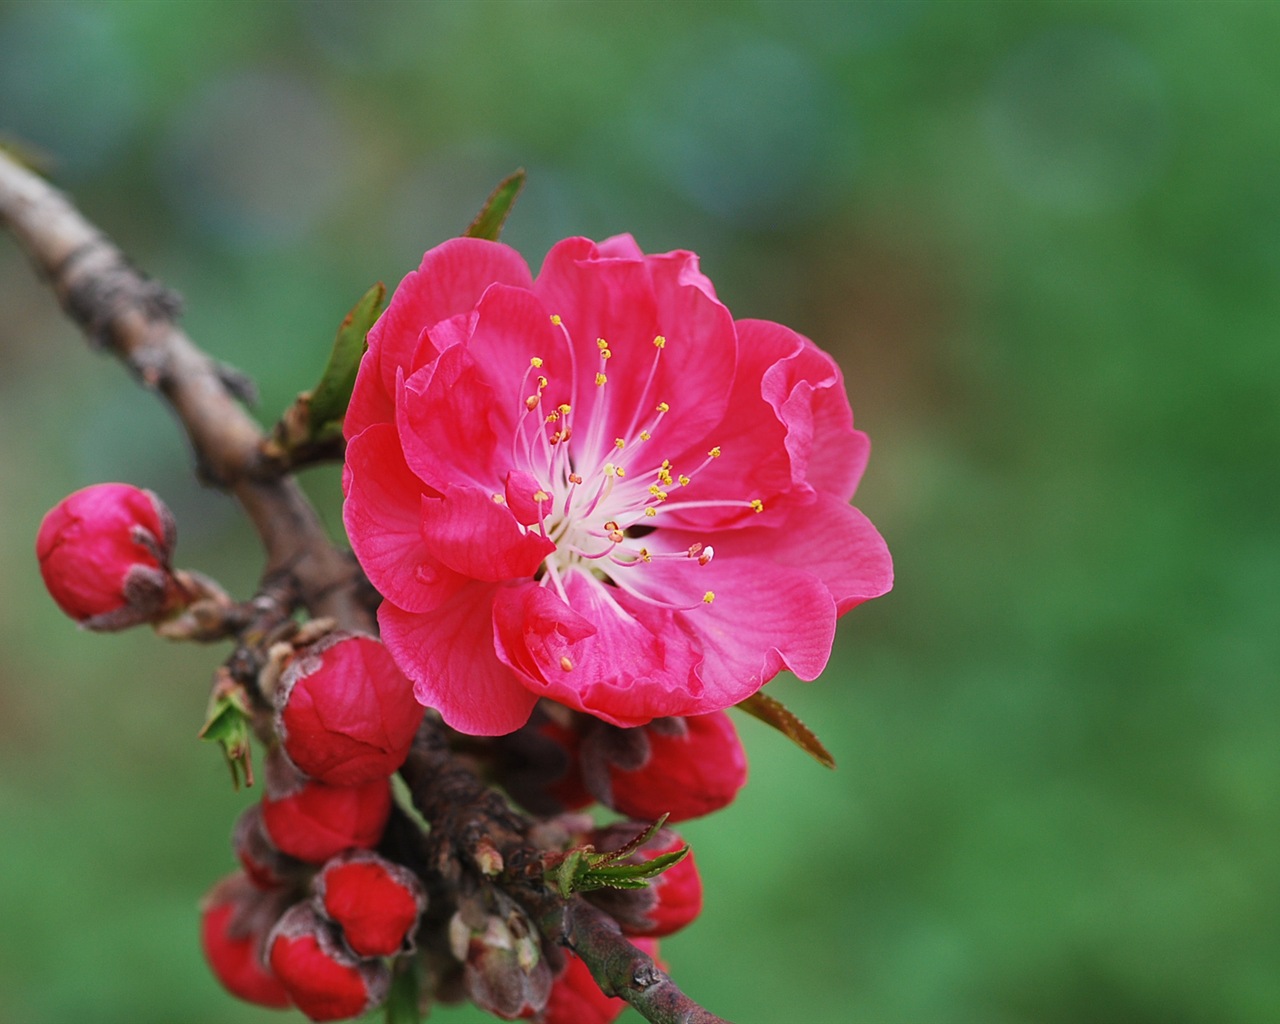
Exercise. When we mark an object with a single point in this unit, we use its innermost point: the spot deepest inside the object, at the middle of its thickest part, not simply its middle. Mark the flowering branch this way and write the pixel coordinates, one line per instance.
(134, 317)
(473, 829)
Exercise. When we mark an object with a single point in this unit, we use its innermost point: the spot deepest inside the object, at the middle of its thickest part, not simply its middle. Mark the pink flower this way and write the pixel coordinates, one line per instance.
(596, 487)
(104, 554)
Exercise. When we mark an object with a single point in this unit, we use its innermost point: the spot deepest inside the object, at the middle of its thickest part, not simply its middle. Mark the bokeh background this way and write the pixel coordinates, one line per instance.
(1044, 241)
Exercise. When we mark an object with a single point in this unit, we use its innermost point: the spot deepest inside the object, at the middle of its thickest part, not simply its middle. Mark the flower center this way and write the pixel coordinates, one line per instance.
(598, 499)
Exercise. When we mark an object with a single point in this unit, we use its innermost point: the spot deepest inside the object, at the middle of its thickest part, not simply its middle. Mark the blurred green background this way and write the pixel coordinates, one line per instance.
(1044, 241)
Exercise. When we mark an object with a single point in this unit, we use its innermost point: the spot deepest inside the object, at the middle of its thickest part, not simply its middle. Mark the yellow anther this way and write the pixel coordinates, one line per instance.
(644, 554)
(659, 342)
(566, 663)
(706, 555)
(552, 417)
(531, 402)
(606, 354)
(555, 319)
(619, 443)
(715, 452)
(601, 344)
(542, 382)
(621, 472)
(757, 504)
(665, 476)
(645, 435)
(601, 379)
(683, 480)
(610, 469)
(694, 549)
(651, 512)
(662, 495)
(541, 496)
(663, 407)
(666, 463)
(499, 499)
(536, 361)
(574, 478)
(615, 536)
(564, 407)
(708, 597)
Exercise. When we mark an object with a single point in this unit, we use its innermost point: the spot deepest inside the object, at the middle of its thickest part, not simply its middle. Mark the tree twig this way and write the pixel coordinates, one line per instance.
(134, 318)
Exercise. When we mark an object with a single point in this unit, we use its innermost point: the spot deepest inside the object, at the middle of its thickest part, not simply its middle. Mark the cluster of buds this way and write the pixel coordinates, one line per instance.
(319, 916)
(327, 911)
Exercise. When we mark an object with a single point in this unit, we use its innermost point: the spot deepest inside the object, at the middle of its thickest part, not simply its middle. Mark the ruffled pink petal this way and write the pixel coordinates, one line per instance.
(602, 653)
(451, 428)
(807, 391)
(448, 653)
(623, 302)
(830, 539)
(764, 617)
(382, 514)
(476, 536)
(450, 280)
(521, 491)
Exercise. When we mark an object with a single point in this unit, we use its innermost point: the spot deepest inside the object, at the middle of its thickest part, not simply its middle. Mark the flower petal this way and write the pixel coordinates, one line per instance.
(450, 280)
(382, 514)
(448, 653)
(474, 535)
(602, 653)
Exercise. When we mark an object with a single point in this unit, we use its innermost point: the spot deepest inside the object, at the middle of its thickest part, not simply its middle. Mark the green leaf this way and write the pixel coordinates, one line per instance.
(489, 221)
(584, 869)
(329, 399)
(227, 724)
(775, 713)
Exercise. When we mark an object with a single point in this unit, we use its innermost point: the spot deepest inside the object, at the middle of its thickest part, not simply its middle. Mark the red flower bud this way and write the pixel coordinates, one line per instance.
(313, 822)
(376, 903)
(235, 918)
(104, 554)
(266, 866)
(684, 767)
(671, 900)
(345, 713)
(324, 980)
(576, 998)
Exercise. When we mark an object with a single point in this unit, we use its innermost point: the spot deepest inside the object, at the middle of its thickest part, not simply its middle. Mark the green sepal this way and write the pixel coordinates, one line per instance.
(773, 712)
(403, 1005)
(329, 399)
(583, 868)
(489, 221)
(227, 724)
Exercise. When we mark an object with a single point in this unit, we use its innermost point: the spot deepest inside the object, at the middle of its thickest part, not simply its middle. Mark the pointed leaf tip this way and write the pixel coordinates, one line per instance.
(328, 401)
(493, 215)
(773, 712)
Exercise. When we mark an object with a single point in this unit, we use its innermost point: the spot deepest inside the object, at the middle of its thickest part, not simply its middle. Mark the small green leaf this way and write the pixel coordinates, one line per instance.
(775, 713)
(489, 221)
(584, 869)
(227, 724)
(631, 847)
(328, 402)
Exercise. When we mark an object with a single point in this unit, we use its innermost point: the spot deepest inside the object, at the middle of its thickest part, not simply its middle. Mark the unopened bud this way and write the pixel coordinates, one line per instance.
(682, 767)
(345, 713)
(313, 822)
(374, 902)
(105, 555)
(324, 980)
(505, 972)
(266, 866)
(235, 918)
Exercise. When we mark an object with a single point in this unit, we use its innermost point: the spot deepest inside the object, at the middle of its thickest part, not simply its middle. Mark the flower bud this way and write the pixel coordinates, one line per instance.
(313, 822)
(668, 903)
(345, 713)
(266, 866)
(376, 903)
(505, 973)
(683, 767)
(235, 918)
(538, 765)
(324, 980)
(104, 554)
(576, 998)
